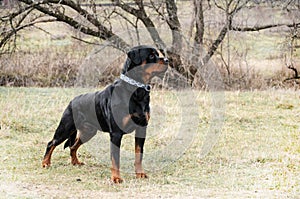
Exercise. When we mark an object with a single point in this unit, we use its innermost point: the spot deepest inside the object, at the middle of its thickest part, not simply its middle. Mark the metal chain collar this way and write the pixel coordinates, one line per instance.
(132, 82)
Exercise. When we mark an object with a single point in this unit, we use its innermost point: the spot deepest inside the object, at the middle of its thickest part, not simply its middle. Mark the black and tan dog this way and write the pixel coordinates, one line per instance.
(119, 109)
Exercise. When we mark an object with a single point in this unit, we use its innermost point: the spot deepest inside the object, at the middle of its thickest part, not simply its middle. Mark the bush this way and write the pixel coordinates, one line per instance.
(66, 67)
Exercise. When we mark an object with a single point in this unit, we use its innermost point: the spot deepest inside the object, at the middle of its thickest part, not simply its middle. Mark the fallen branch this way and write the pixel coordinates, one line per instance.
(296, 76)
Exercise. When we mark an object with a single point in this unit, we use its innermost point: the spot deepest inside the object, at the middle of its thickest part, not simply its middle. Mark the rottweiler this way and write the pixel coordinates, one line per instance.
(121, 108)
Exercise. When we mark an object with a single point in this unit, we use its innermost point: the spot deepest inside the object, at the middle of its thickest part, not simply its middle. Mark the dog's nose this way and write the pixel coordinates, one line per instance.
(166, 60)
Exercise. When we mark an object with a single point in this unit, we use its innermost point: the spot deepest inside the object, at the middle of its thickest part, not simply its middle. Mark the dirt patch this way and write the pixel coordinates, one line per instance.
(19, 189)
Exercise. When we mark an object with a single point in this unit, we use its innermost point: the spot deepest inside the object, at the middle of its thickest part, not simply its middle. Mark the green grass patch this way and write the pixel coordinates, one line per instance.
(257, 153)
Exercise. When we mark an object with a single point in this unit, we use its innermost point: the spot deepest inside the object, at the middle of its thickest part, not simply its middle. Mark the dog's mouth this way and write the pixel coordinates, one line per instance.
(159, 74)
(163, 67)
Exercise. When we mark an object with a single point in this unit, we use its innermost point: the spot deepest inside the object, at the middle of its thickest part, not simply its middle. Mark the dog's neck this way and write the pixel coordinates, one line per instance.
(133, 82)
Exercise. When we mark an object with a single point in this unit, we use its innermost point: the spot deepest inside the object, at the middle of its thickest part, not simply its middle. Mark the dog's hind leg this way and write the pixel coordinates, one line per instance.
(50, 148)
(59, 137)
(83, 136)
(64, 130)
(71, 141)
(47, 157)
(73, 152)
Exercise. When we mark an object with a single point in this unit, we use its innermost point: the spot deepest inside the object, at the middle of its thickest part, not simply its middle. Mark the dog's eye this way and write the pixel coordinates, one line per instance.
(151, 56)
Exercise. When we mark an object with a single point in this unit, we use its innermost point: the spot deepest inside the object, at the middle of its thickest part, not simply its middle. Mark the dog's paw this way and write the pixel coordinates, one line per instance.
(116, 179)
(141, 175)
(75, 162)
(78, 163)
(46, 164)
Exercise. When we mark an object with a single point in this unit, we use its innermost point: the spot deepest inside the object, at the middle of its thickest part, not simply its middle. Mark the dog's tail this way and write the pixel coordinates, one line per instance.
(71, 141)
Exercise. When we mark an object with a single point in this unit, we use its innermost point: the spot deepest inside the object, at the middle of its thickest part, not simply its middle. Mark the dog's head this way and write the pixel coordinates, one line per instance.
(145, 62)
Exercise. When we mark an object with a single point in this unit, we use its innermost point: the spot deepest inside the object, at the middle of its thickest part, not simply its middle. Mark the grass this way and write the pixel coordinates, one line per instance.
(257, 154)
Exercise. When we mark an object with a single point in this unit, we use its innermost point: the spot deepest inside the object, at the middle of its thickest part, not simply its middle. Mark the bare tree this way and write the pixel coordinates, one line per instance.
(134, 13)
(290, 63)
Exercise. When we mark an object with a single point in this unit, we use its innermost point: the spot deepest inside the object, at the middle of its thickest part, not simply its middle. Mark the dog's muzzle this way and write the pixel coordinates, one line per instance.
(165, 60)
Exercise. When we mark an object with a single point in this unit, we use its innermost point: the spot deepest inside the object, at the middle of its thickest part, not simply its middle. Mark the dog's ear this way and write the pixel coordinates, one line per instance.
(134, 56)
(126, 66)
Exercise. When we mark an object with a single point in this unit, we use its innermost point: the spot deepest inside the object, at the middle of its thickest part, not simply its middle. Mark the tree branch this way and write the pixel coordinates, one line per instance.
(102, 33)
(174, 25)
(217, 42)
(127, 8)
(295, 71)
(161, 14)
(199, 17)
(296, 76)
(15, 30)
(142, 15)
(84, 41)
(15, 14)
(263, 27)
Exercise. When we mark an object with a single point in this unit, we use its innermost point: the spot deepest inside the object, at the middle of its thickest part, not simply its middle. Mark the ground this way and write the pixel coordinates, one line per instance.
(257, 153)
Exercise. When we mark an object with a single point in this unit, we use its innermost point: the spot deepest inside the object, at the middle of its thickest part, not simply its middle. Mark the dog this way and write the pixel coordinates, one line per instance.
(121, 108)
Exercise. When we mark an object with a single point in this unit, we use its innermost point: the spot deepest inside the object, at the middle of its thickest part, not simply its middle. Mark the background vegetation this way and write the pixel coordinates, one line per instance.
(254, 44)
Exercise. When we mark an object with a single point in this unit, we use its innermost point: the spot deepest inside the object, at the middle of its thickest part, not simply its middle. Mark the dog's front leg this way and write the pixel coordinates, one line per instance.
(139, 150)
(115, 143)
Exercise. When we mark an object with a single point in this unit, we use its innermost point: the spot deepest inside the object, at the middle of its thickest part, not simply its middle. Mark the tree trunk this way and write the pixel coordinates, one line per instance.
(198, 6)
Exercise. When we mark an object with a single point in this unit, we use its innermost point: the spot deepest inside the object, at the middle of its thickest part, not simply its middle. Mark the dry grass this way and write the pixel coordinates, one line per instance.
(257, 155)
(41, 67)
